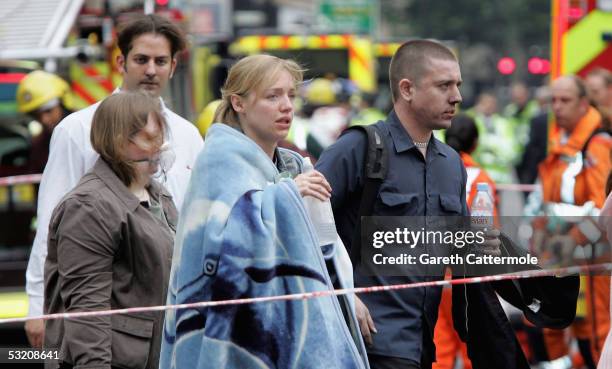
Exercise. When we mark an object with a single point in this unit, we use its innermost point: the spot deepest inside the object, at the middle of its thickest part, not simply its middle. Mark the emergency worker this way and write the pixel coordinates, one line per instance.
(206, 116)
(497, 149)
(44, 96)
(599, 87)
(367, 113)
(463, 137)
(572, 178)
(314, 95)
(329, 113)
(520, 111)
(47, 99)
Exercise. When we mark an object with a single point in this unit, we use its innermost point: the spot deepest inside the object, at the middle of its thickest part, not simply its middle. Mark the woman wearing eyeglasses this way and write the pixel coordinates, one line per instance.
(110, 243)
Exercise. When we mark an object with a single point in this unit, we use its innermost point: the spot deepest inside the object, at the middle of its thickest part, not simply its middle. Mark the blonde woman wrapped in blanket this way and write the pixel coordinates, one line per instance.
(244, 232)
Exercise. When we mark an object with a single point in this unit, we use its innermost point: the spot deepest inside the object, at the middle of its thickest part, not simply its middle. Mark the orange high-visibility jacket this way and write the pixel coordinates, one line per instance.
(447, 341)
(590, 182)
(475, 175)
(589, 185)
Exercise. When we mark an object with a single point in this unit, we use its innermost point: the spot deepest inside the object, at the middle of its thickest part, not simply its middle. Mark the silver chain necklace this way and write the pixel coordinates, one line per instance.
(420, 145)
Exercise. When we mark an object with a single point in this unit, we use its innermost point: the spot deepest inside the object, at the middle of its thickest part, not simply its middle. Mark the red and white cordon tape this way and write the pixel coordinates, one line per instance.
(23, 179)
(516, 187)
(607, 267)
(35, 178)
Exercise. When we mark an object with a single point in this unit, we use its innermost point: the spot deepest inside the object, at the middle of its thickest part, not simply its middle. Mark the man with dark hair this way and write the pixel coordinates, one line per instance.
(425, 80)
(155, 25)
(149, 40)
(425, 177)
(410, 61)
(149, 44)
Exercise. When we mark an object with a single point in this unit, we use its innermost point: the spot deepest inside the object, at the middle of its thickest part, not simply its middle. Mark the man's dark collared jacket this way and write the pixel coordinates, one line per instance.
(430, 186)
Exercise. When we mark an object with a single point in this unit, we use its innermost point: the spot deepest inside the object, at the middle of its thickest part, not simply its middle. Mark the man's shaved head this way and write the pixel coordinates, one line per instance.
(411, 61)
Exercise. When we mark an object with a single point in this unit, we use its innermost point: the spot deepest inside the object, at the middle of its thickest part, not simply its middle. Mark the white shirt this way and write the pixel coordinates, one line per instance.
(71, 156)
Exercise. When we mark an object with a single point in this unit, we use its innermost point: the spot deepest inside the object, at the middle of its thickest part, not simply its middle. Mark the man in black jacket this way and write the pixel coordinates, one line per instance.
(425, 178)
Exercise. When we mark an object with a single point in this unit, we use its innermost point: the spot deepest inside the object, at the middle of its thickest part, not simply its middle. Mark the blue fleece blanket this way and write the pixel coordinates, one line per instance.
(244, 232)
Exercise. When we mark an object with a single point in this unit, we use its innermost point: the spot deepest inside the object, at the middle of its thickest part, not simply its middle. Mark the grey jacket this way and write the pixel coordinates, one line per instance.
(107, 251)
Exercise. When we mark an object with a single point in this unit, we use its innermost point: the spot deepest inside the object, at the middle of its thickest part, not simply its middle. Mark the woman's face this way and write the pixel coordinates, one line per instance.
(266, 115)
(144, 148)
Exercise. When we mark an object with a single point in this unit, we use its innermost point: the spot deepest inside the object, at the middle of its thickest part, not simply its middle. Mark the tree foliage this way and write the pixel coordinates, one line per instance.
(491, 28)
(503, 24)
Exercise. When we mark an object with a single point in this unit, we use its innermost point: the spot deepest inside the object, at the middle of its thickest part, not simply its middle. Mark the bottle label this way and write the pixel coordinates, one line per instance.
(482, 220)
(326, 233)
(482, 211)
(322, 218)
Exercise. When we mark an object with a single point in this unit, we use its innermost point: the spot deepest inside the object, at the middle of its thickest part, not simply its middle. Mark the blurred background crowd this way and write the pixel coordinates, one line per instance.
(58, 56)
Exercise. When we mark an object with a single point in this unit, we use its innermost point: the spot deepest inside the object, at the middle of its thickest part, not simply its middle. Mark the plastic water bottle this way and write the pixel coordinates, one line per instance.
(321, 214)
(482, 207)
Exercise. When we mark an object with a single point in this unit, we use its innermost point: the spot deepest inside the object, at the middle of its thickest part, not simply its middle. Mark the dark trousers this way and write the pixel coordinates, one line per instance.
(387, 362)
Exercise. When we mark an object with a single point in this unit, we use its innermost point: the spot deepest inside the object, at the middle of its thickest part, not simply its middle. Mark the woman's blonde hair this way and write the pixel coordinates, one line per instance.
(252, 74)
(118, 118)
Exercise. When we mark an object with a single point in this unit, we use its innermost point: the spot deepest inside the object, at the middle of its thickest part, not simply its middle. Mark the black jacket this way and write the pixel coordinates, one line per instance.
(490, 339)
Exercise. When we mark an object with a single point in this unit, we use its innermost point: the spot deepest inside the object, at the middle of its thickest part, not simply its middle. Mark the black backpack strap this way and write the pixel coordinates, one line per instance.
(588, 141)
(375, 170)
